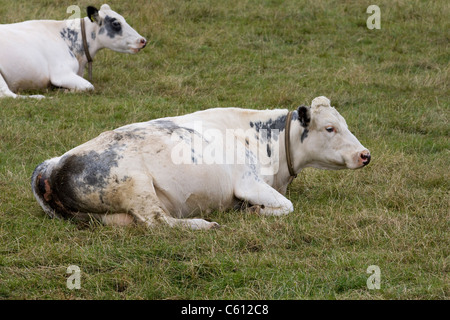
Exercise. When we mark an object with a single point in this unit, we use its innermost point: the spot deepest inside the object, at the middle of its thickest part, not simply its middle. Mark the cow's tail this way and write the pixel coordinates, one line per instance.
(44, 189)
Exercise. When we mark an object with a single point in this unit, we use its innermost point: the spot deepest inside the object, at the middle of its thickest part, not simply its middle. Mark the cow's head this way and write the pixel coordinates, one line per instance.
(114, 32)
(328, 141)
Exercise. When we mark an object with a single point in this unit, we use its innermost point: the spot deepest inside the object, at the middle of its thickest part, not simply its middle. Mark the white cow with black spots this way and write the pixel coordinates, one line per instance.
(38, 54)
(169, 169)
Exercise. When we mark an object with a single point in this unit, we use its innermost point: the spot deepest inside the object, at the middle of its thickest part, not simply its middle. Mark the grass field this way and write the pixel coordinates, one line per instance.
(390, 84)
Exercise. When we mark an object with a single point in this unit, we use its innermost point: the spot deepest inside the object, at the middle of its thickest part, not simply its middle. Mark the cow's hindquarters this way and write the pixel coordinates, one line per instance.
(43, 190)
(47, 195)
(51, 179)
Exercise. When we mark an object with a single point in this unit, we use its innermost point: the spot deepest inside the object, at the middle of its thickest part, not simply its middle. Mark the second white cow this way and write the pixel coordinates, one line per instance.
(38, 54)
(167, 170)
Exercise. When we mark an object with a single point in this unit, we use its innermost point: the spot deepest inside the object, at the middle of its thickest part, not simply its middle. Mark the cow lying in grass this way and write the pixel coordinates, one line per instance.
(168, 170)
(38, 54)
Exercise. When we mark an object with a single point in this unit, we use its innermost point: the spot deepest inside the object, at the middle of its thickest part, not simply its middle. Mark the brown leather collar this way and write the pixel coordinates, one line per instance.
(287, 143)
(86, 48)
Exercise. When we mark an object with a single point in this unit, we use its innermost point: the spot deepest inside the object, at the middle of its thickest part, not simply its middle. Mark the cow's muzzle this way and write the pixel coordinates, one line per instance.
(365, 157)
(143, 42)
(140, 44)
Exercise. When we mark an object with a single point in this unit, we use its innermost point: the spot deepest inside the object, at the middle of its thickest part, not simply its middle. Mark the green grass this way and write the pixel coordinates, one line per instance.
(391, 85)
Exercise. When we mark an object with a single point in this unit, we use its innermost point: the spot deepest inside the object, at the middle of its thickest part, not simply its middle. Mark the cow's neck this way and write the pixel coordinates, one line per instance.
(283, 176)
(298, 142)
(71, 33)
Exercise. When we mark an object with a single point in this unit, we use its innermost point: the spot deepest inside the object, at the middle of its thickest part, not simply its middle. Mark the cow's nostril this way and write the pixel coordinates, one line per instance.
(143, 42)
(366, 158)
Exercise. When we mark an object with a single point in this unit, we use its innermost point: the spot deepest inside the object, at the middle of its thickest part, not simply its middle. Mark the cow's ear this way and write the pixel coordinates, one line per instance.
(304, 115)
(92, 13)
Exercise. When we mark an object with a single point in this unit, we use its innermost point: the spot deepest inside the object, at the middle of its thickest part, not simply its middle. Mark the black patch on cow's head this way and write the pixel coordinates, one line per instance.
(92, 13)
(304, 115)
(112, 26)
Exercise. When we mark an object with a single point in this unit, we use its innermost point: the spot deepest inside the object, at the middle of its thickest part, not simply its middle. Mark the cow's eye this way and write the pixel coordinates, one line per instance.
(116, 25)
(330, 129)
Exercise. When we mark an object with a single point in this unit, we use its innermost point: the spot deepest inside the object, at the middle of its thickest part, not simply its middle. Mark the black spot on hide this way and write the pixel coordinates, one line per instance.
(272, 124)
(85, 173)
(70, 36)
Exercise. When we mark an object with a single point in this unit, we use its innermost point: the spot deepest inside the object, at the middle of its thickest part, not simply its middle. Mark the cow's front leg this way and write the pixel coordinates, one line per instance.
(266, 199)
(71, 81)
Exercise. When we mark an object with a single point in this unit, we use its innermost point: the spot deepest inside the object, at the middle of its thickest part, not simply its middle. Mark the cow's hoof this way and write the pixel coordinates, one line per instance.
(256, 209)
(214, 225)
(200, 224)
(37, 96)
